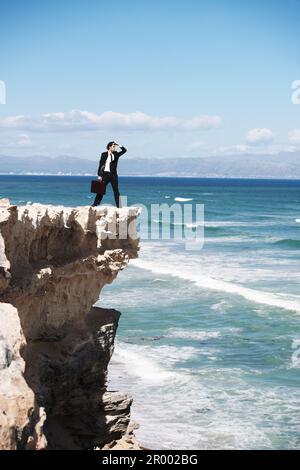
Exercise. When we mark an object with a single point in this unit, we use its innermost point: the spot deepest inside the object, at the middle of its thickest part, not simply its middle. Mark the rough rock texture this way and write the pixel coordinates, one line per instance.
(127, 441)
(55, 345)
(17, 403)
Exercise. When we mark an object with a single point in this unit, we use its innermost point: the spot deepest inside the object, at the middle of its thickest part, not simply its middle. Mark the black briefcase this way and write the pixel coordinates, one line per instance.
(98, 187)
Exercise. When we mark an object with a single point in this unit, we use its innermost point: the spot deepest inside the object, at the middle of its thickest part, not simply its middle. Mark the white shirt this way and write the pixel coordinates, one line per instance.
(109, 159)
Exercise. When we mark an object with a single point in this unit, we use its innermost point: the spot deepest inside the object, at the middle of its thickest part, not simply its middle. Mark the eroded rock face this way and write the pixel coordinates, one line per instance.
(54, 344)
(17, 402)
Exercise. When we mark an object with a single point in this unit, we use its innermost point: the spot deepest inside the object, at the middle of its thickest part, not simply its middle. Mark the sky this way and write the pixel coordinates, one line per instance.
(188, 78)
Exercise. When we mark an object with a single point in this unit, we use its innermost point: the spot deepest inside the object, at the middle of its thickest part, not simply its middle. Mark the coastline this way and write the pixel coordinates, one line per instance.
(221, 178)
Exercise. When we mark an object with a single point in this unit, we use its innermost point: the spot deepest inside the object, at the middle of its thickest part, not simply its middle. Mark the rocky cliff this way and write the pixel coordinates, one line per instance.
(55, 345)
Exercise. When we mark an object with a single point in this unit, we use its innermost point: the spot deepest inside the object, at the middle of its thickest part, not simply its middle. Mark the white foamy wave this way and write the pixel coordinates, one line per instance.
(219, 306)
(156, 221)
(232, 330)
(194, 224)
(139, 364)
(233, 239)
(207, 282)
(183, 199)
(188, 225)
(195, 335)
(172, 354)
(192, 411)
(236, 223)
(225, 223)
(298, 221)
(200, 223)
(295, 358)
(205, 224)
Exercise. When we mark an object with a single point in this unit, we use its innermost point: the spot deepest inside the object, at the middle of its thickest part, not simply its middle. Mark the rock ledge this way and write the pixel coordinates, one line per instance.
(55, 345)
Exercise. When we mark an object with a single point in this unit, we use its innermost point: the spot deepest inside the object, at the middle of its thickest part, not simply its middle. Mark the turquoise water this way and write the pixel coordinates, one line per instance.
(208, 340)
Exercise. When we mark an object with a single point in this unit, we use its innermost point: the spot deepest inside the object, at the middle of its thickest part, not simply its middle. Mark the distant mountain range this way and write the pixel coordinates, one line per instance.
(283, 165)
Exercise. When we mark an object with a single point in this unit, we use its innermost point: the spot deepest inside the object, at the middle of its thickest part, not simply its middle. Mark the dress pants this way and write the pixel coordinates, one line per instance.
(107, 178)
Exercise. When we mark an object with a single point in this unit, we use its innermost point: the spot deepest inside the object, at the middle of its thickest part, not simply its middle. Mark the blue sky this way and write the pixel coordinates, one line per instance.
(165, 78)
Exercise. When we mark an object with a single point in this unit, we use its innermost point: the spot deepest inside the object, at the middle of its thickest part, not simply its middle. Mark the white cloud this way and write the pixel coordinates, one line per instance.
(77, 120)
(243, 149)
(24, 141)
(294, 137)
(196, 145)
(16, 141)
(260, 136)
(238, 149)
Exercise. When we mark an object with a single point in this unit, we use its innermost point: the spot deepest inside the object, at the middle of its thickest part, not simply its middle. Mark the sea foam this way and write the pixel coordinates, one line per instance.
(183, 199)
(207, 282)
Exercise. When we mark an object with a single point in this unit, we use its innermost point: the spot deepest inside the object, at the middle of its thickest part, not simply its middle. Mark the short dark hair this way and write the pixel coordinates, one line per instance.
(109, 144)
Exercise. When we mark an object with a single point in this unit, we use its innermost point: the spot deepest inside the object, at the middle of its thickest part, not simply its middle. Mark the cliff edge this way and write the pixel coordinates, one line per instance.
(55, 345)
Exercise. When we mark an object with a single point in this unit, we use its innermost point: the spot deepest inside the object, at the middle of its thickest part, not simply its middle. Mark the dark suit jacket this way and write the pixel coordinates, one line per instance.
(113, 164)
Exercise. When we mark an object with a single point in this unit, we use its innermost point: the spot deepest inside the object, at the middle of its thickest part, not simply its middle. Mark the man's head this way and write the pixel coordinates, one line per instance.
(111, 146)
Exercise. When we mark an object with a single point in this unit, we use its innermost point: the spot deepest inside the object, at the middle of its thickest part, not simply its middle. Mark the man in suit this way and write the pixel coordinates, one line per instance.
(107, 171)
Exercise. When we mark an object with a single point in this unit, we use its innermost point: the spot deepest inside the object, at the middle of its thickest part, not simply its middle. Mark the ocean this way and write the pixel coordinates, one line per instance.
(208, 343)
